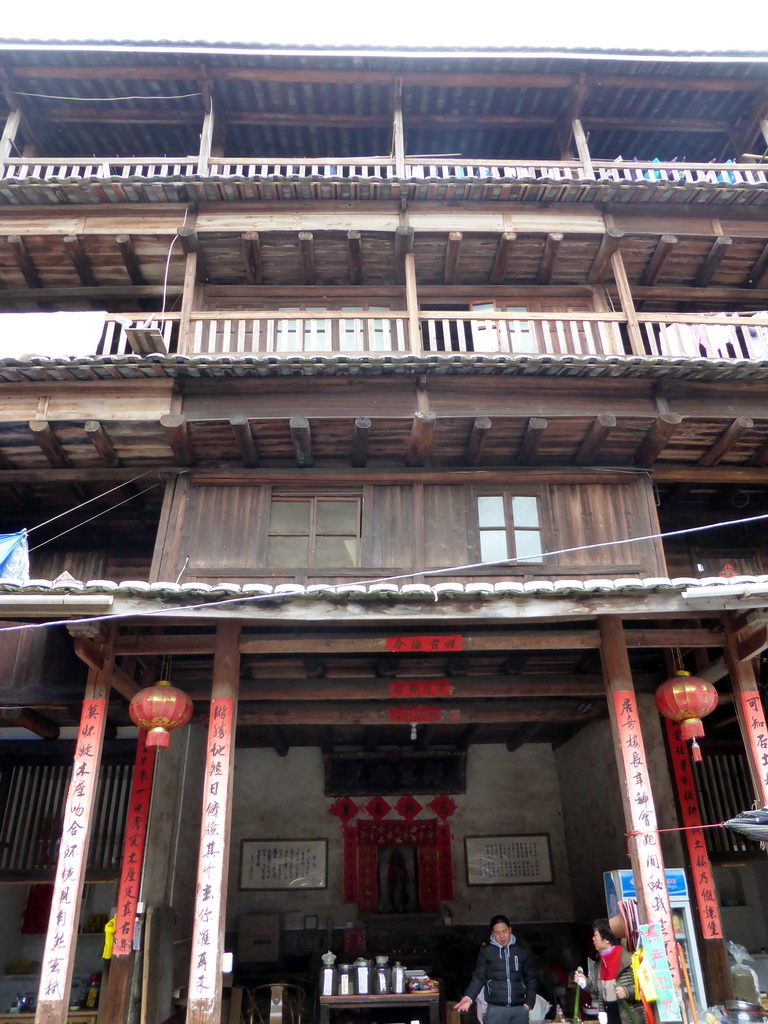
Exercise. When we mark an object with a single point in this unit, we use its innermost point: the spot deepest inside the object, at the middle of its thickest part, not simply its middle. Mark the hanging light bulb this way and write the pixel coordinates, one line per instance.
(413, 731)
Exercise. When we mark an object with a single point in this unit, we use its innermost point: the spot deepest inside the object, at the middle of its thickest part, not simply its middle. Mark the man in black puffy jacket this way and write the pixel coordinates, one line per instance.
(508, 975)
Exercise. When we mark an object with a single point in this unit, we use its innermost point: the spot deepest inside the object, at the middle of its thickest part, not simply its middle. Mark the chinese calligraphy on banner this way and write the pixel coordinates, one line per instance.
(205, 973)
(424, 643)
(133, 847)
(643, 821)
(701, 869)
(283, 864)
(653, 948)
(508, 860)
(757, 733)
(65, 907)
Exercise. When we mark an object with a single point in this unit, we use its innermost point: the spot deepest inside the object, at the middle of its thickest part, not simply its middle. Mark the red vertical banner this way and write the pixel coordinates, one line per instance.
(642, 812)
(757, 735)
(210, 896)
(444, 861)
(58, 956)
(690, 812)
(350, 864)
(133, 846)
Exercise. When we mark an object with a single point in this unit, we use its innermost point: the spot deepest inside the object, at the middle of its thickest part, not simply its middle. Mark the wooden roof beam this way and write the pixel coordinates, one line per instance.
(480, 79)
(420, 440)
(758, 269)
(452, 252)
(307, 253)
(74, 249)
(278, 740)
(652, 272)
(714, 258)
(500, 263)
(598, 433)
(33, 721)
(355, 252)
(49, 444)
(301, 435)
(93, 656)
(477, 438)
(24, 262)
(468, 736)
(727, 440)
(98, 437)
(609, 244)
(361, 435)
(534, 435)
(130, 259)
(520, 737)
(252, 257)
(367, 713)
(246, 445)
(548, 257)
(658, 436)
(177, 434)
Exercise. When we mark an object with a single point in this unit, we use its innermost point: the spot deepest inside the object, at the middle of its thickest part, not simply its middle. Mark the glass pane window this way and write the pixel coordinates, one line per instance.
(509, 527)
(314, 532)
(490, 511)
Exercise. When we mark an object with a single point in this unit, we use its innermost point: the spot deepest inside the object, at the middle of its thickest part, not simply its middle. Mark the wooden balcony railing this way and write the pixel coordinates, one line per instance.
(271, 333)
(380, 168)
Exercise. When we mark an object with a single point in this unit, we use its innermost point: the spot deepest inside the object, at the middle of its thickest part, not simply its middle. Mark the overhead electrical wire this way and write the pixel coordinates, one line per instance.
(251, 598)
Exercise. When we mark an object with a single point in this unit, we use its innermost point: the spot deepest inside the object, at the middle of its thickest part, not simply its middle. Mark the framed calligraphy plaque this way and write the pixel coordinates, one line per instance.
(283, 863)
(508, 860)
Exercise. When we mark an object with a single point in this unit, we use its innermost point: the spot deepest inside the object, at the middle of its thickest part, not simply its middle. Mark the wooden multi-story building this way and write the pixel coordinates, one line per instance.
(408, 411)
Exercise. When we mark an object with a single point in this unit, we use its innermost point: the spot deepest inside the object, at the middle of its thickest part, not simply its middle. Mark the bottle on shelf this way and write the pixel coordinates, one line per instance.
(92, 996)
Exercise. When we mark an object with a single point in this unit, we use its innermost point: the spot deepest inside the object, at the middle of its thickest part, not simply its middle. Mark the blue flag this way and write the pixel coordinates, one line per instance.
(14, 556)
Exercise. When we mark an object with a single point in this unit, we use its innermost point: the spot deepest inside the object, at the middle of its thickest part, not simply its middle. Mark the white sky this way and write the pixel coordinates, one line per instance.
(626, 24)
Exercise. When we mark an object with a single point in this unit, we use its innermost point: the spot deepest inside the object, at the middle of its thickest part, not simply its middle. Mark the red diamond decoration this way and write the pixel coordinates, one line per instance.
(407, 807)
(378, 808)
(344, 808)
(443, 806)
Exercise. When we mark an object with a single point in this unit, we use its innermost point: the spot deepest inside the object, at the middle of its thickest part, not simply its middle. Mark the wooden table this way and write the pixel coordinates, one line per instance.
(429, 999)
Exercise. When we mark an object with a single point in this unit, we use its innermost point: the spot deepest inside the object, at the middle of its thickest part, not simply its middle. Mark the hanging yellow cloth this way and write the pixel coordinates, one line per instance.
(109, 938)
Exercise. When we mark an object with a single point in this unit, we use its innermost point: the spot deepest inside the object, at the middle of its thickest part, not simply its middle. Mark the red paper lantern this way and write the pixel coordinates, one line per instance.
(158, 709)
(686, 699)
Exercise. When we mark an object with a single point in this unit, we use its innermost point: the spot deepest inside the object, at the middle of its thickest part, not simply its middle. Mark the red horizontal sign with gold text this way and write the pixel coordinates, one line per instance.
(420, 688)
(424, 643)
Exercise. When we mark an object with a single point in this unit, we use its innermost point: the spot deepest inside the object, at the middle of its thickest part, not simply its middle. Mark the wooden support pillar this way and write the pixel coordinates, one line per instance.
(10, 131)
(206, 135)
(115, 1001)
(580, 138)
(634, 779)
(398, 131)
(749, 709)
(59, 953)
(627, 304)
(412, 305)
(188, 297)
(205, 983)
